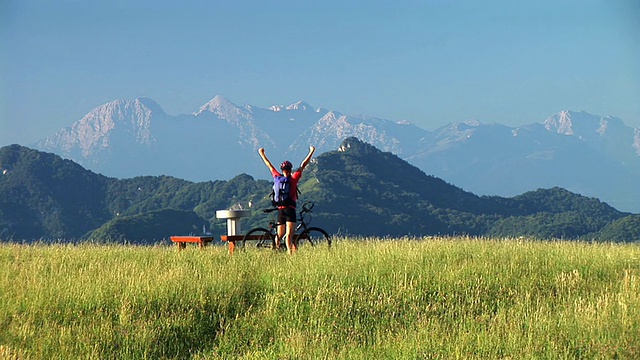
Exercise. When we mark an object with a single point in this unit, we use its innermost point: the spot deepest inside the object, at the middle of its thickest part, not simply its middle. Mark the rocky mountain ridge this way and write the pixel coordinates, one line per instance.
(588, 154)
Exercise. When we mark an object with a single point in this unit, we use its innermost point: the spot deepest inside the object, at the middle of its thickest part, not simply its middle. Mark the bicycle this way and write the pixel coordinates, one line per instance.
(266, 237)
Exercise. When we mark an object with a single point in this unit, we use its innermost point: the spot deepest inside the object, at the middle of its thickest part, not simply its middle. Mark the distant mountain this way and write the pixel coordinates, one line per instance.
(130, 138)
(358, 189)
(587, 154)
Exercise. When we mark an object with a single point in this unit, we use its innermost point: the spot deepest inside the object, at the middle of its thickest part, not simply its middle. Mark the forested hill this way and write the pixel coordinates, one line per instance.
(358, 190)
(45, 197)
(365, 191)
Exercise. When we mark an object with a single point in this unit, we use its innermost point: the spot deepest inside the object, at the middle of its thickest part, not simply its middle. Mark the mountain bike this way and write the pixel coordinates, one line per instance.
(266, 237)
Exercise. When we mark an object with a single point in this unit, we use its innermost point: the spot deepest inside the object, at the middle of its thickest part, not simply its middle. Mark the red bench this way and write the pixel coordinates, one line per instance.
(231, 239)
(182, 241)
(202, 241)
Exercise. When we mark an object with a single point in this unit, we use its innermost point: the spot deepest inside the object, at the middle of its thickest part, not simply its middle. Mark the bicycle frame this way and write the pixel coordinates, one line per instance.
(267, 236)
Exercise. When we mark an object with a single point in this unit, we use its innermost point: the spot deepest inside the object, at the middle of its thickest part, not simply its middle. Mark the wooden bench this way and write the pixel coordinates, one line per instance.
(231, 239)
(182, 241)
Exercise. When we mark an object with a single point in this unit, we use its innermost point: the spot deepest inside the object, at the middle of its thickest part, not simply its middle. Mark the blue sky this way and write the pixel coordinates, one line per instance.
(429, 62)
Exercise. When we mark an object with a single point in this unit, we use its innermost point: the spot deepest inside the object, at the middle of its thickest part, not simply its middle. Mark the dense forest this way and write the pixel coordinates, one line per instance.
(358, 190)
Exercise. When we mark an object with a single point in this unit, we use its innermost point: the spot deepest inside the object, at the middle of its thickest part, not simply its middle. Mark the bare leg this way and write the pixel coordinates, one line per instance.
(290, 229)
(280, 235)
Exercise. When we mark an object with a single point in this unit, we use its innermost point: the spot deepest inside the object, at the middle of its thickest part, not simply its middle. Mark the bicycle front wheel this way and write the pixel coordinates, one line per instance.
(263, 238)
(315, 236)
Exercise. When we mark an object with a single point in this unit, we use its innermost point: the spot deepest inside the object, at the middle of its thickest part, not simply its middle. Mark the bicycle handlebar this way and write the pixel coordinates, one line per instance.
(306, 208)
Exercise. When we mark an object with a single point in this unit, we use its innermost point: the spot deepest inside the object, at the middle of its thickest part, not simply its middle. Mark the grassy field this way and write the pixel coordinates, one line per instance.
(454, 298)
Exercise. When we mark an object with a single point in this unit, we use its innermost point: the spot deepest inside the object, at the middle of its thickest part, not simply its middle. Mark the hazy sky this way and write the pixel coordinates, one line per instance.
(429, 62)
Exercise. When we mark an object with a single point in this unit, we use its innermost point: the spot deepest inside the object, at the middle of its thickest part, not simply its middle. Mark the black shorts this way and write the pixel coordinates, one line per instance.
(287, 214)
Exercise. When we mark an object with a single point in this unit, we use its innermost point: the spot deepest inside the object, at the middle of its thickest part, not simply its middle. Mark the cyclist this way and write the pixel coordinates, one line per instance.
(287, 213)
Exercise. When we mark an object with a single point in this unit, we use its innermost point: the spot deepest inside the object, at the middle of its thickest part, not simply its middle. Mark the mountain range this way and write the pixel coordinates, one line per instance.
(592, 155)
(358, 190)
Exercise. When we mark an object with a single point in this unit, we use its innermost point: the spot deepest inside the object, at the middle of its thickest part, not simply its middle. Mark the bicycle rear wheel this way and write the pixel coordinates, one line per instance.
(314, 236)
(262, 237)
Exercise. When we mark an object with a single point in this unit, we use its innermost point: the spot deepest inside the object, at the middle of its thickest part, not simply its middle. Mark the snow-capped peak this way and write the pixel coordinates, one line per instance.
(225, 109)
(472, 122)
(560, 123)
(581, 124)
(300, 105)
(116, 110)
(218, 103)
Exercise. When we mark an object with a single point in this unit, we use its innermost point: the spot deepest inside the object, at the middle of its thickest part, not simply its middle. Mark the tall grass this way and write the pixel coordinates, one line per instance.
(434, 298)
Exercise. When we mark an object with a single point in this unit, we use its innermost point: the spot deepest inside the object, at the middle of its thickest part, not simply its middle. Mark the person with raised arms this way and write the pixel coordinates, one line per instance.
(285, 196)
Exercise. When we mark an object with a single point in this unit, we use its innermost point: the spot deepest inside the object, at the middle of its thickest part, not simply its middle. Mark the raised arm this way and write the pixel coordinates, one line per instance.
(306, 160)
(266, 160)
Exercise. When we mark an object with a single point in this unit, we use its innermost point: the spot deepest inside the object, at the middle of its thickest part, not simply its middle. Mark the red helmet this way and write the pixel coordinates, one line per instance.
(287, 165)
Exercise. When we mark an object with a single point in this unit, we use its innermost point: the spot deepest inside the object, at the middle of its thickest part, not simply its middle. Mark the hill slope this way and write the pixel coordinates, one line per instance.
(358, 190)
(45, 197)
(42, 195)
(360, 182)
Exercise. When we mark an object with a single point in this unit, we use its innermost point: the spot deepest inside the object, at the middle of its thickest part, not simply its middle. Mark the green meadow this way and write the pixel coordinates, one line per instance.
(435, 298)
